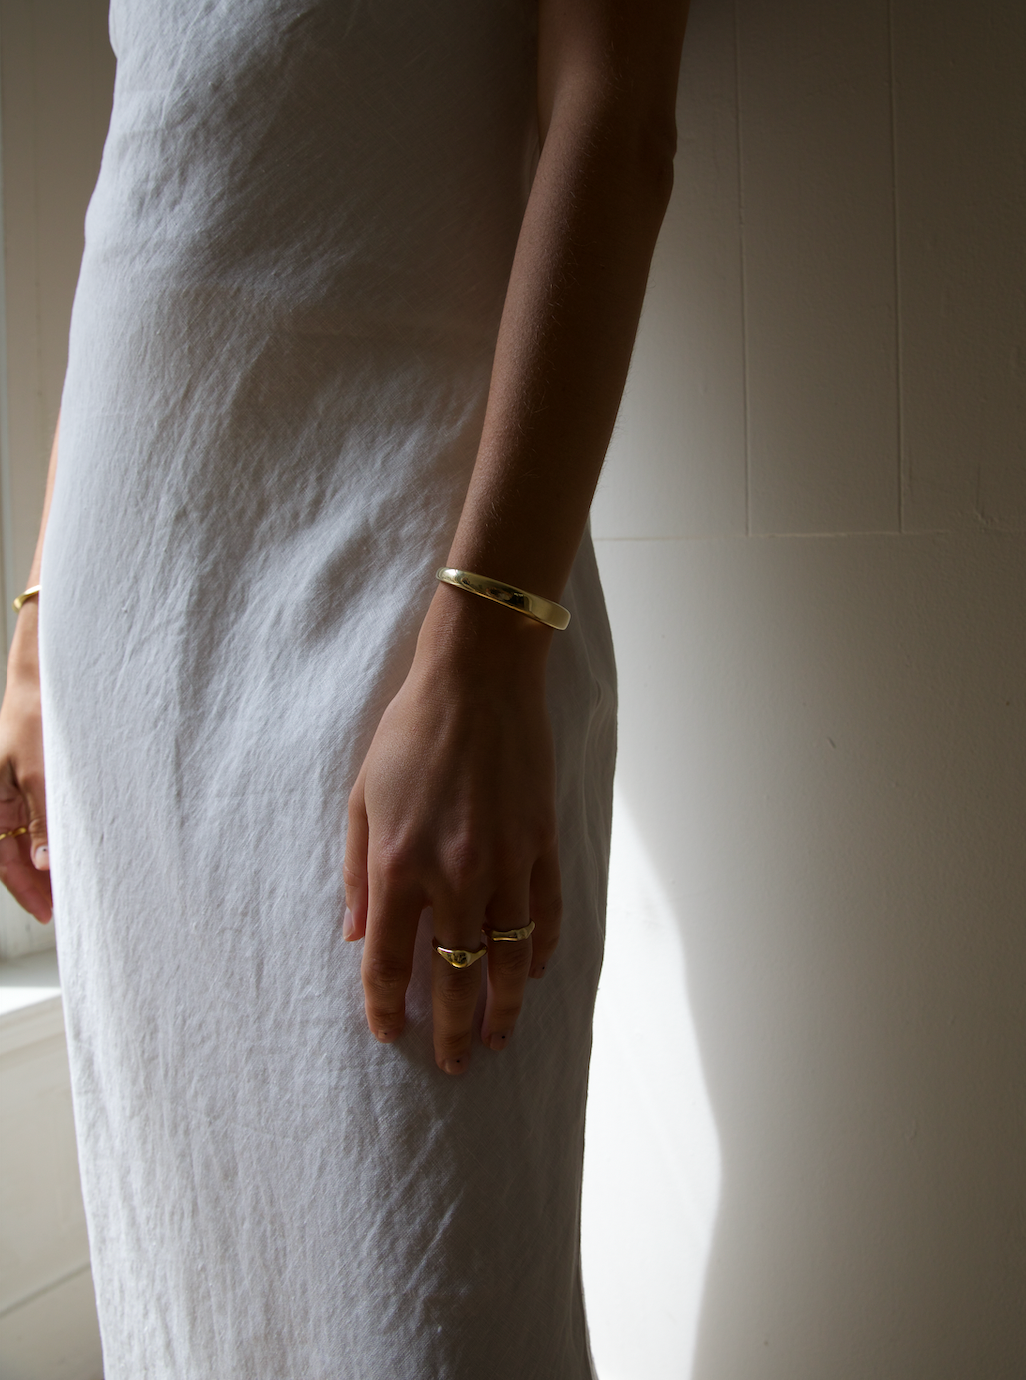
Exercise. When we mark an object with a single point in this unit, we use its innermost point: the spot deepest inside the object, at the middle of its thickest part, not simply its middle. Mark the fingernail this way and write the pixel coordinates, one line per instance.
(538, 972)
(41, 857)
(348, 924)
(497, 1039)
(385, 1036)
(454, 1065)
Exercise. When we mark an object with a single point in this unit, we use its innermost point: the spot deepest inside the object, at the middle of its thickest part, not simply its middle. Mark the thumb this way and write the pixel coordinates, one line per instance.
(24, 851)
(354, 868)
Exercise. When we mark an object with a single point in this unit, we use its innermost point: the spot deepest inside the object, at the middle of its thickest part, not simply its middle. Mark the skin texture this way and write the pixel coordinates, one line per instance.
(454, 804)
(25, 861)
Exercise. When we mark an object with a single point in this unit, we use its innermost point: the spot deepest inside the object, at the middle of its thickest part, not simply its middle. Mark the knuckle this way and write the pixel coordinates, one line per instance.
(388, 977)
(548, 910)
(449, 1043)
(509, 960)
(353, 876)
(503, 1016)
(382, 1017)
(456, 992)
(463, 862)
(545, 944)
(29, 771)
(511, 878)
(395, 862)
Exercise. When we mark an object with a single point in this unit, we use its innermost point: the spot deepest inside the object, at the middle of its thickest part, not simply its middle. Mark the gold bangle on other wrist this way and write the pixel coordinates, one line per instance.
(31, 593)
(533, 605)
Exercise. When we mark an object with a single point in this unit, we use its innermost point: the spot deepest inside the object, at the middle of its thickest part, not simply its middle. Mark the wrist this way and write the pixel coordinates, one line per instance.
(480, 638)
(23, 657)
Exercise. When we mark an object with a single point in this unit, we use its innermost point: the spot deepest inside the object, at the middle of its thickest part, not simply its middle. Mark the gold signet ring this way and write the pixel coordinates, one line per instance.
(508, 936)
(458, 958)
(14, 833)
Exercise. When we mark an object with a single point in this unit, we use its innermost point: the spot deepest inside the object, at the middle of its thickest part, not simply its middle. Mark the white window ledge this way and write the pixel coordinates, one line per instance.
(48, 1327)
(30, 1000)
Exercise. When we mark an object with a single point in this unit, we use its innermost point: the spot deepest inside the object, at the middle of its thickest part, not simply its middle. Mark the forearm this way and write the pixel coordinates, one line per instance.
(455, 804)
(23, 658)
(567, 331)
(51, 475)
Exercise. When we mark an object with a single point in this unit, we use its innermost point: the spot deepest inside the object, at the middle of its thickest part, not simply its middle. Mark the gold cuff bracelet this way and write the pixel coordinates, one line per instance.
(541, 610)
(31, 593)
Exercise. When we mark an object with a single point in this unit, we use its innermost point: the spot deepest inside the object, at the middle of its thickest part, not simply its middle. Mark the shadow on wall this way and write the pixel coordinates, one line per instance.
(823, 752)
(806, 1146)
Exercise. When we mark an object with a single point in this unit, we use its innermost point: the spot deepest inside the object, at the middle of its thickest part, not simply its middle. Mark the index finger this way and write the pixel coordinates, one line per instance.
(393, 913)
(29, 886)
(27, 883)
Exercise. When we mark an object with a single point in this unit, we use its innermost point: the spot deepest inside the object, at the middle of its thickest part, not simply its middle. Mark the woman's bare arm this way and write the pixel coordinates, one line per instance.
(25, 860)
(454, 806)
(607, 89)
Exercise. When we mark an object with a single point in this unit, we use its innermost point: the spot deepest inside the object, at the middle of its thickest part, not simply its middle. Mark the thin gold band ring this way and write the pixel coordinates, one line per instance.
(511, 936)
(466, 958)
(14, 833)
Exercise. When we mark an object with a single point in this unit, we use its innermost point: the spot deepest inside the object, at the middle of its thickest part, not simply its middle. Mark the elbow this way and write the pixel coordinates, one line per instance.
(619, 135)
(655, 147)
(643, 146)
(642, 132)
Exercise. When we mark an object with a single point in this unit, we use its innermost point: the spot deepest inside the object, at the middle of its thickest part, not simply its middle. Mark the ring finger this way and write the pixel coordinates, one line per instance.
(509, 932)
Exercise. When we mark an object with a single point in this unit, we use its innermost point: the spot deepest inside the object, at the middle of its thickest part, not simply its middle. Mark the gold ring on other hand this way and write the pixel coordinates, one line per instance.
(13, 833)
(458, 958)
(510, 936)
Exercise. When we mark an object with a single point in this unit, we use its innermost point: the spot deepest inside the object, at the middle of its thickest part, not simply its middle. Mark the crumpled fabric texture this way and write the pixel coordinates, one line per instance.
(295, 262)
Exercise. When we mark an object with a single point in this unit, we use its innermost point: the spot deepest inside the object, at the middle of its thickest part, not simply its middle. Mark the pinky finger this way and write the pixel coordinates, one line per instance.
(354, 868)
(546, 911)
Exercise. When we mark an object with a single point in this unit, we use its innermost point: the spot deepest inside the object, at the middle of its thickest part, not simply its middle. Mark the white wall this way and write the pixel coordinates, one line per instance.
(811, 532)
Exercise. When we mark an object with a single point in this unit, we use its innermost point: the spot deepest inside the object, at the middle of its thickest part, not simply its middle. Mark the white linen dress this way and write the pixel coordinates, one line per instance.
(296, 257)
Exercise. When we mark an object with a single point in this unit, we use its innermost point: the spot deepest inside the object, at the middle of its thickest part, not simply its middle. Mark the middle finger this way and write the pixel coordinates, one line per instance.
(455, 989)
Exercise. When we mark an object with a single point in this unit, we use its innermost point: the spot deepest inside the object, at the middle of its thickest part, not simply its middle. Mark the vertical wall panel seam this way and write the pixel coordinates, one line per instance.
(741, 265)
(37, 221)
(899, 381)
(6, 558)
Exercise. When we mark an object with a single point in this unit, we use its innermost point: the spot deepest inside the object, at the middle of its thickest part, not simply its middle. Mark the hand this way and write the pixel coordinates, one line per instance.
(25, 859)
(454, 808)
